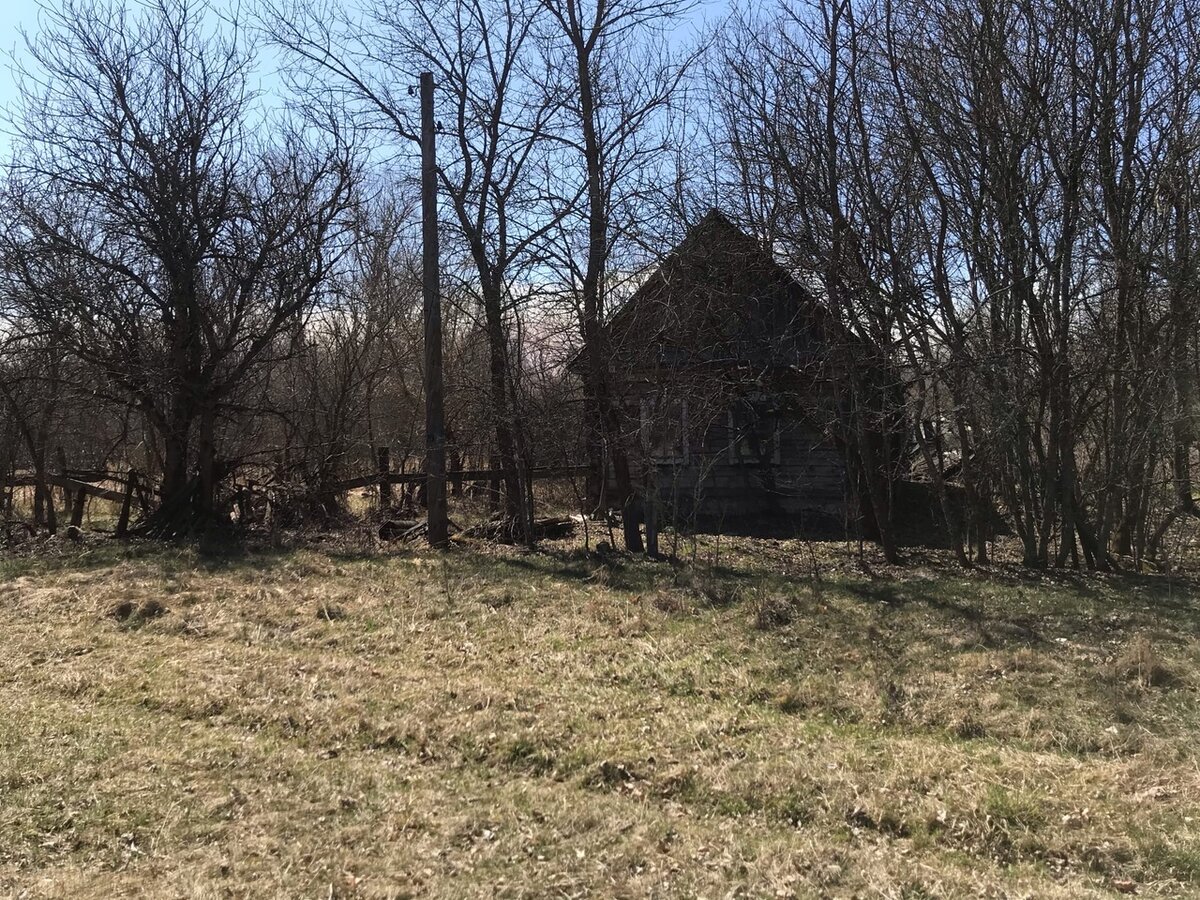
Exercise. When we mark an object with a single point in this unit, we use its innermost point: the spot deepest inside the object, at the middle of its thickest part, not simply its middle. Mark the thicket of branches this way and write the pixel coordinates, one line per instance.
(998, 197)
(1002, 195)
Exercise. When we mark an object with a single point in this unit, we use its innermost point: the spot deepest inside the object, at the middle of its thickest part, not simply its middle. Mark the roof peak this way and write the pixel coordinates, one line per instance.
(715, 215)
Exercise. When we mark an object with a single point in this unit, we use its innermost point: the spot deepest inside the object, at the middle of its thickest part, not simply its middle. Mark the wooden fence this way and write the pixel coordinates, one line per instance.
(80, 485)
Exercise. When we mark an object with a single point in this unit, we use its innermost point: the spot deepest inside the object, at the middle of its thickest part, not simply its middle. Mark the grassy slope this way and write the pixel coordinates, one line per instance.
(547, 725)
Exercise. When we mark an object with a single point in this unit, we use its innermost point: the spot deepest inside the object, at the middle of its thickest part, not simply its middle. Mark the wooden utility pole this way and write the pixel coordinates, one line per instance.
(435, 427)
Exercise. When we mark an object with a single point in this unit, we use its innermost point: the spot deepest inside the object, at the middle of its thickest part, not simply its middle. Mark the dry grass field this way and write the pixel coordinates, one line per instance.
(770, 720)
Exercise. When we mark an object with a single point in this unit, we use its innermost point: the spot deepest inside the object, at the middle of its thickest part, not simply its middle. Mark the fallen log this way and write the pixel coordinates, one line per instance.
(394, 529)
(551, 528)
(420, 530)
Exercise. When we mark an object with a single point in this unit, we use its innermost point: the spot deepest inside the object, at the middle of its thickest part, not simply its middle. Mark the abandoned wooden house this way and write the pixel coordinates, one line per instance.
(731, 377)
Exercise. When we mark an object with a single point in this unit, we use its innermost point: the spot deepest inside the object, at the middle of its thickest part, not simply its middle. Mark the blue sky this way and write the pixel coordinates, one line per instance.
(16, 15)
(13, 15)
(22, 15)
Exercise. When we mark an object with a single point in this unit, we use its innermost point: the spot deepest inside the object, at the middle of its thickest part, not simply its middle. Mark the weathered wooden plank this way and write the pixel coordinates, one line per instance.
(126, 504)
(69, 484)
(61, 481)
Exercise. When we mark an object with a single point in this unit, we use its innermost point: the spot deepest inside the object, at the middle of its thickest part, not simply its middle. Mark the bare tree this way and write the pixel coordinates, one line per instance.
(820, 185)
(992, 193)
(182, 252)
(618, 81)
(326, 392)
(494, 173)
(31, 394)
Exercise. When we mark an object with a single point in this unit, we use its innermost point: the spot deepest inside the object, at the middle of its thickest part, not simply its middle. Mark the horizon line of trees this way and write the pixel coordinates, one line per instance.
(999, 196)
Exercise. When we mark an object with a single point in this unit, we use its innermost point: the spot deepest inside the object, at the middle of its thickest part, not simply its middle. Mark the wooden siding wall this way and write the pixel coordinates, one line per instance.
(807, 488)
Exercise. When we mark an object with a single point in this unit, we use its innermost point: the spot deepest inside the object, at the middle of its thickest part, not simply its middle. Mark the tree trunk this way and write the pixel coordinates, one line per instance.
(607, 428)
(873, 462)
(173, 517)
(204, 505)
(175, 461)
(506, 446)
(383, 460)
(43, 497)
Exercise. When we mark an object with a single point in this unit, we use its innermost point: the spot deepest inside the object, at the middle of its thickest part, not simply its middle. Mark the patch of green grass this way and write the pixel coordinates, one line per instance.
(1013, 808)
(528, 756)
(1181, 863)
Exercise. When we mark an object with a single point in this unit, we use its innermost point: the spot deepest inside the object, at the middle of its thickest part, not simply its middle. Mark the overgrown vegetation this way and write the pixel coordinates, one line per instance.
(777, 719)
(990, 208)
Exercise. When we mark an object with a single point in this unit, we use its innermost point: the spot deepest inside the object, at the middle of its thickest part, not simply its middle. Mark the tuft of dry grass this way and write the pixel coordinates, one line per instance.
(772, 612)
(488, 722)
(1140, 662)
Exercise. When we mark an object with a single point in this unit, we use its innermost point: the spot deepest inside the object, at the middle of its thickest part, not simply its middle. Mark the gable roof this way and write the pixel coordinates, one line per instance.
(719, 298)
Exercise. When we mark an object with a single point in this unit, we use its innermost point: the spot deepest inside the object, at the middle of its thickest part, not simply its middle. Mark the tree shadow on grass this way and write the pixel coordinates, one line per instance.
(1022, 608)
(613, 570)
(622, 571)
(897, 594)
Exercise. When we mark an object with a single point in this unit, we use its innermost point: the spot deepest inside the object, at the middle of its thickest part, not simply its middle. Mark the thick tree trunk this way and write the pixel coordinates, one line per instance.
(506, 446)
(204, 504)
(176, 441)
(173, 515)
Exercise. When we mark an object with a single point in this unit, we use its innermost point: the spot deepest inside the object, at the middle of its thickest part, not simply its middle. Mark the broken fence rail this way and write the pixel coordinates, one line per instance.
(535, 474)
